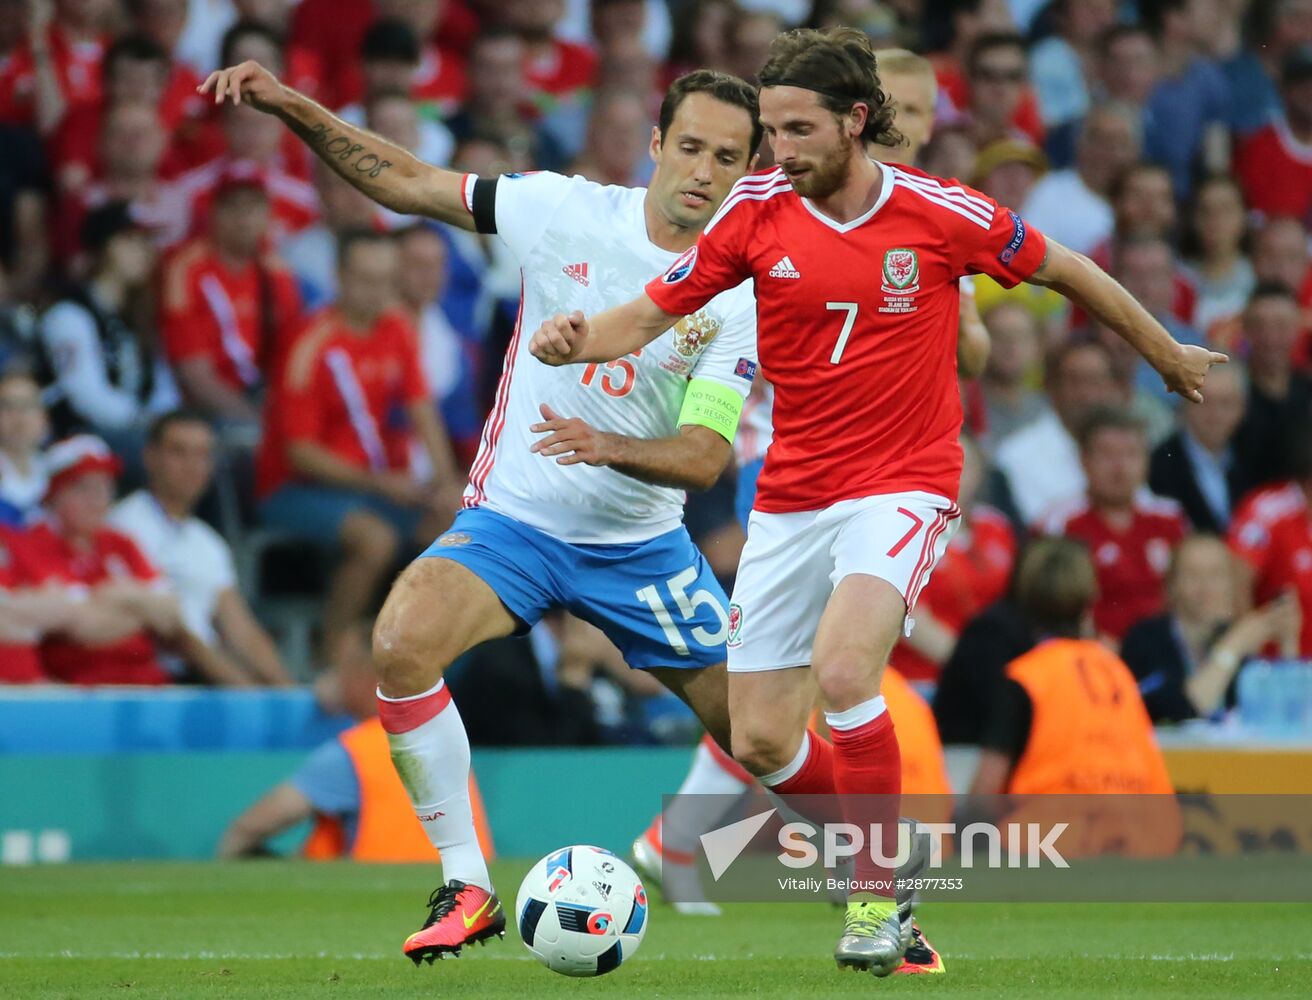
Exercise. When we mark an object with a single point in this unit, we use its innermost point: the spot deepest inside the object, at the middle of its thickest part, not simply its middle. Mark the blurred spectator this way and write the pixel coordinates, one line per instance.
(1041, 461)
(951, 153)
(24, 427)
(1272, 535)
(555, 70)
(27, 614)
(701, 38)
(106, 376)
(1130, 536)
(997, 70)
(750, 35)
(1278, 27)
(395, 54)
(1186, 660)
(497, 105)
(1199, 465)
(334, 465)
(1281, 256)
(1127, 66)
(1274, 164)
(1071, 205)
(972, 574)
(1147, 267)
(131, 144)
(1219, 268)
(350, 791)
(1067, 717)
(254, 143)
(226, 302)
(115, 637)
(1017, 347)
(312, 253)
(1279, 398)
(194, 558)
(1060, 63)
(1007, 171)
(57, 68)
(1189, 106)
(1143, 204)
(447, 359)
(390, 61)
(136, 71)
(24, 240)
(619, 132)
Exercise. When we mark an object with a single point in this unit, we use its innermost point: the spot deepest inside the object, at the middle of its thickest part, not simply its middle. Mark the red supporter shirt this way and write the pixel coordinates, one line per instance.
(1130, 563)
(77, 68)
(973, 573)
(1271, 532)
(293, 202)
(112, 557)
(1275, 171)
(561, 73)
(856, 326)
(20, 663)
(345, 392)
(234, 318)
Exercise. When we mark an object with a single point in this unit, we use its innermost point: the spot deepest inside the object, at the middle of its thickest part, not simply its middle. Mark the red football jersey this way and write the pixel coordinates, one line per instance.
(1130, 563)
(113, 556)
(344, 391)
(972, 574)
(856, 325)
(1271, 531)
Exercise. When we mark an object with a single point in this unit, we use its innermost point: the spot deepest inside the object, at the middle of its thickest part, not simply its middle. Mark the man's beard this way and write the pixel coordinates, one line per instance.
(829, 174)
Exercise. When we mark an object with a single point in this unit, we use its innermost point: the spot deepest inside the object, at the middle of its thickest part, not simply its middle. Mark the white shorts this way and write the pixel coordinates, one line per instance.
(792, 563)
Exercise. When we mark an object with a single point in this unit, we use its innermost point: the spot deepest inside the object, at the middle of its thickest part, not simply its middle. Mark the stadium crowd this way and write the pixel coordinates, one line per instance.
(220, 361)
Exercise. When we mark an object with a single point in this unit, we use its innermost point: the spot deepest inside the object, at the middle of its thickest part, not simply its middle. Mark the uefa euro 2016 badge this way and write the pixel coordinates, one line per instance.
(901, 280)
(454, 538)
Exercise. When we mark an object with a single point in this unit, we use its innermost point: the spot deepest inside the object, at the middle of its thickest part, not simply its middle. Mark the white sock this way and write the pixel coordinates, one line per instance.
(430, 751)
(703, 798)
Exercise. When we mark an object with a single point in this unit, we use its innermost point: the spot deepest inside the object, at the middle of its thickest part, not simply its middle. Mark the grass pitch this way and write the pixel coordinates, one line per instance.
(272, 930)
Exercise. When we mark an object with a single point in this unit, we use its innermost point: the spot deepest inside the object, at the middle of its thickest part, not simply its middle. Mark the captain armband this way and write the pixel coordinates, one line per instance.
(712, 405)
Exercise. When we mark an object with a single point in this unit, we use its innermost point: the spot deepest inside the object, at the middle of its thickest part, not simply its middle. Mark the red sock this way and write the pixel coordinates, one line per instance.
(867, 763)
(816, 774)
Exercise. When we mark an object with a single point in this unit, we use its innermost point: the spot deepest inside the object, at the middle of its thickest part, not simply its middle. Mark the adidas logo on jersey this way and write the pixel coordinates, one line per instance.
(785, 269)
(579, 272)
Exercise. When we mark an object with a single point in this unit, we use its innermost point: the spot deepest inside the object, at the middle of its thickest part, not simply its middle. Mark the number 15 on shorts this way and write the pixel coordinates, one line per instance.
(690, 608)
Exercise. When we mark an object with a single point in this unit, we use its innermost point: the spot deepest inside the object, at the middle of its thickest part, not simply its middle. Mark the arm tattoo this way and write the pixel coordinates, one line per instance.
(324, 140)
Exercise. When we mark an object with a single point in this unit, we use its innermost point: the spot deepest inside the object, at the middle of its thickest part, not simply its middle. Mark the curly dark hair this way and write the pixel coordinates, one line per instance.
(839, 65)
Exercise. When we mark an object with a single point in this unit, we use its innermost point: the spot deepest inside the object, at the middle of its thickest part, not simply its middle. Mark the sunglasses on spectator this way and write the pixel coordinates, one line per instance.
(989, 75)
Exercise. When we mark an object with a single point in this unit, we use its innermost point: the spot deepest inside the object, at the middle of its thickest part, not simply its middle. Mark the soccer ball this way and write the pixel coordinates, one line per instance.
(581, 911)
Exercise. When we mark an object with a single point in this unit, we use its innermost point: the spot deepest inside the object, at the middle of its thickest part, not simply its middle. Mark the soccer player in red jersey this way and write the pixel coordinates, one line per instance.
(856, 266)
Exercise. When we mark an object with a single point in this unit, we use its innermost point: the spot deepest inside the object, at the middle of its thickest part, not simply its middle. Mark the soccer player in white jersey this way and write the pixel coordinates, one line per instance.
(575, 499)
(664, 852)
(856, 265)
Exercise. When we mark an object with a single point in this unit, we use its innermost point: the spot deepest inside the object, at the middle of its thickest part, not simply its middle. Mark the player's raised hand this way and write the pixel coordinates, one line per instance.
(247, 81)
(571, 441)
(559, 339)
(1187, 370)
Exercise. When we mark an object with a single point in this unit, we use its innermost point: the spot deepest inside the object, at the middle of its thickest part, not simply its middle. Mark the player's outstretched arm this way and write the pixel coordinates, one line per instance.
(691, 460)
(384, 171)
(574, 339)
(1182, 366)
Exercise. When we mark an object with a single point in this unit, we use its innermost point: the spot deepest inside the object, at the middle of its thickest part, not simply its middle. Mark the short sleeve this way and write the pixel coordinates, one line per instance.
(415, 387)
(1008, 728)
(301, 412)
(1250, 537)
(142, 568)
(1008, 249)
(525, 205)
(327, 779)
(713, 265)
(730, 359)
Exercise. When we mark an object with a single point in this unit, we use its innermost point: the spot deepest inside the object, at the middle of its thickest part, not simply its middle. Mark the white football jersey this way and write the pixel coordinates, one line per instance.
(584, 246)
